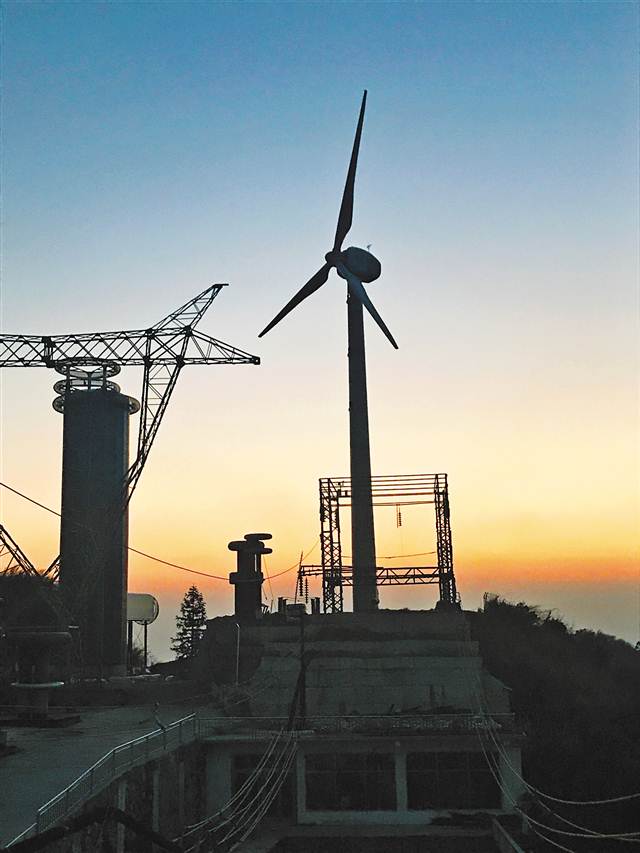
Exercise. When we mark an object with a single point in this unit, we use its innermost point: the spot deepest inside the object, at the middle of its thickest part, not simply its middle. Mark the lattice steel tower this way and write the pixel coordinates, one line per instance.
(97, 480)
(398, 491)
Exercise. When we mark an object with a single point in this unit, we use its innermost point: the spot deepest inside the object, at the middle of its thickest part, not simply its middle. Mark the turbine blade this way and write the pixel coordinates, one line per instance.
(345, 217)
(357, 290)
(315, 282)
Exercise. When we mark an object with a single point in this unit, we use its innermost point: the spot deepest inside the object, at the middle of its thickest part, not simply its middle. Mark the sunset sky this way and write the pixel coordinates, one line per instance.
(151, 149)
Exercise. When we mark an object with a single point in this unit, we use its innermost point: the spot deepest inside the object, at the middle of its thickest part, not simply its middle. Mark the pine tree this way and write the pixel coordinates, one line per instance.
(190, 625)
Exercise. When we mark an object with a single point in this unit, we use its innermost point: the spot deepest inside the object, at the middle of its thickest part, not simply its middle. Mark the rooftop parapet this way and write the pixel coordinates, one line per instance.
(396, 724)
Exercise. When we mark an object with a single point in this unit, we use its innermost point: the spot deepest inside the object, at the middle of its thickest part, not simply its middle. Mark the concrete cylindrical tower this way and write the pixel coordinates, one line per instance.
(94, 527)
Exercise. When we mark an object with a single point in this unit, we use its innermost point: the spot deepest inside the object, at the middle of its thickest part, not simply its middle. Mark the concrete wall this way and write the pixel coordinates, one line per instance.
(370, 678)
(220, 752)
(390, 662)
(366, 664)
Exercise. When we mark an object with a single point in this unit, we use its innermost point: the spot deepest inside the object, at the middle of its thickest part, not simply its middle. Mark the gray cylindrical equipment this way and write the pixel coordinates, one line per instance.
(94, 527)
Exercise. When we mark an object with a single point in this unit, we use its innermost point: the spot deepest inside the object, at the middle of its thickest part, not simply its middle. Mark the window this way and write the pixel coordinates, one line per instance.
(450, 780)
(352, 781)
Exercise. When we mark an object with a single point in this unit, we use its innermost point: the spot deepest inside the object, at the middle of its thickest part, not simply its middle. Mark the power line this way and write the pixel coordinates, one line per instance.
(586, 833)
(400, 556)
(144, 553)
(629, 837)
(297, 563)
(31, 500)
(479, 691)
(551, 841)
(176, 566)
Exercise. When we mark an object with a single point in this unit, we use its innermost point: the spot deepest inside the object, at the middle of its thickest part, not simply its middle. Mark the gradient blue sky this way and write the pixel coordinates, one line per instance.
(149, 149)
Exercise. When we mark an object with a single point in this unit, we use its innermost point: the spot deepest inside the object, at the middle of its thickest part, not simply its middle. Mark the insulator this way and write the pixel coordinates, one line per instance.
(306, 590)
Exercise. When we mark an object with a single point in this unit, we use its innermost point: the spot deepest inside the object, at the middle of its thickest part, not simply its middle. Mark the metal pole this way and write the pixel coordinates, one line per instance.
(130, 647)
(145, 645)
(237, 654)
(303, 675)
(363, 549)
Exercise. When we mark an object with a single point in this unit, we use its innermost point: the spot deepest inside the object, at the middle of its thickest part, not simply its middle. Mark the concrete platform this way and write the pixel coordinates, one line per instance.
(47, 760)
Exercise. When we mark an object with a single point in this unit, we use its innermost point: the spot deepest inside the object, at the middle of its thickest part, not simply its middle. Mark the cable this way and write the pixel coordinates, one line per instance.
(271, 795)
(629, 837)
(551, 841)
(533, 789)
(482, 710)
(151, 556)
(285, 756)
(588, 833)
(241, 791)
(241, 812)
(31, 500)
(244, 792)
(176, 566)
(592, 836)
(297, 563)
(398, 556)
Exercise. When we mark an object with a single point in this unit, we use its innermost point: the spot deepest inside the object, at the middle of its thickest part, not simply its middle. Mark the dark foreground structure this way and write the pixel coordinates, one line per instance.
(399, 730)
(94, 524)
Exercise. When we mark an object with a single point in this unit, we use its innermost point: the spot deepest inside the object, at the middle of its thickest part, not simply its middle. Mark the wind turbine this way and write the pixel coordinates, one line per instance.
(355, 266)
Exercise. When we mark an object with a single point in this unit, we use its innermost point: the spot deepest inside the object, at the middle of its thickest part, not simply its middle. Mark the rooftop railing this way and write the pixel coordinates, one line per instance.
(362, 724)
(188, 729)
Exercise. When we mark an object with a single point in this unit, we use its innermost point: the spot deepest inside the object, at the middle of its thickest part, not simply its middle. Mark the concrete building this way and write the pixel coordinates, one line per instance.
(398, 722)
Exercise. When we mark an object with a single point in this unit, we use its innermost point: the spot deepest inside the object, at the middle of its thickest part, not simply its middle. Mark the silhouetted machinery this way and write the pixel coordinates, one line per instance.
(247, 580)
(97, 480)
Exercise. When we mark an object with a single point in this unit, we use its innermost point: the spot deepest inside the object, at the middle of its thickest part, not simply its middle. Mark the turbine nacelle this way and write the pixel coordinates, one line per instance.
(360, 263)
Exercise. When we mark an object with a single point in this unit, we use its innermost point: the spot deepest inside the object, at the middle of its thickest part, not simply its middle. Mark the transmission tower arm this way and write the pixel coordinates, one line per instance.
(13, 560)
(163, 343)
(192, 311)
(162, 350)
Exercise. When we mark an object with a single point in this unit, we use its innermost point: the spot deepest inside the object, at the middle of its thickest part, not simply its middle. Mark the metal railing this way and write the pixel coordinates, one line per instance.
(110, 767)
(186, 730)
(256, 727)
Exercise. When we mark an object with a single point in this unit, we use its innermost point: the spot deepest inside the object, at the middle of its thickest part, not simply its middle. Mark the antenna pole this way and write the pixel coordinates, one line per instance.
(363, 548)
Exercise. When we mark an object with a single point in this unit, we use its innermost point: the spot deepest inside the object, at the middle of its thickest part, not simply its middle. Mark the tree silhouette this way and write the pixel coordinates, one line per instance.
(190, 625)
(577, 696)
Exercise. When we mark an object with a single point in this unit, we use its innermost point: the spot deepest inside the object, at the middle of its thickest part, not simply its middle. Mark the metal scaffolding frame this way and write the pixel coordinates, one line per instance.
(392, 490)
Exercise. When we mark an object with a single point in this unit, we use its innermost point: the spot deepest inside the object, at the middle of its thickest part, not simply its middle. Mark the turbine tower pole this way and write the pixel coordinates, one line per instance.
(355, 266)
(363, 547)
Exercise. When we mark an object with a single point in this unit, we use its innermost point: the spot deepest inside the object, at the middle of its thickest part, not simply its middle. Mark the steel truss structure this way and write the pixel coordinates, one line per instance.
(395, 490)
(13, 560)
(90, 359)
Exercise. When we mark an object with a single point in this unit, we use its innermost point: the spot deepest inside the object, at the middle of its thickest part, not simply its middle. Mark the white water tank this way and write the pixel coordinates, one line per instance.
(142, 607)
